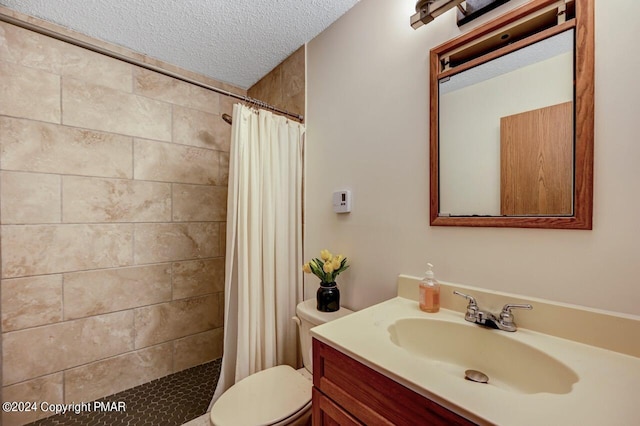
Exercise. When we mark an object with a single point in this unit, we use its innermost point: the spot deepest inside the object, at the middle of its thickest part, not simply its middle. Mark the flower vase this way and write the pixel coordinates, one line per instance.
(328, 297)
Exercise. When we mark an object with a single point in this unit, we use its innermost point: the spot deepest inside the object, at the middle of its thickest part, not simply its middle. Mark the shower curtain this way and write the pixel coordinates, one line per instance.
(263, 276)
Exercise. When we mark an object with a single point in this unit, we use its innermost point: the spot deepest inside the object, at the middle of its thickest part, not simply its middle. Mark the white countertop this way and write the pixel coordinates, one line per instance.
(607, 392)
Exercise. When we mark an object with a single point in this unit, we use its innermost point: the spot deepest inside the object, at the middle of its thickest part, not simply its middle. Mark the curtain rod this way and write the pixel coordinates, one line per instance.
(103, 51)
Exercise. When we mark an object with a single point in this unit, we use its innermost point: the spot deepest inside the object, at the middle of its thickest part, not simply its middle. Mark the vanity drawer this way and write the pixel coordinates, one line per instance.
(371, 397)
(328, 413)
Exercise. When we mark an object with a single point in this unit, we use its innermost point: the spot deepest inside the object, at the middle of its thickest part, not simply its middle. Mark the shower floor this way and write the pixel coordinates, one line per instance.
(171, 400)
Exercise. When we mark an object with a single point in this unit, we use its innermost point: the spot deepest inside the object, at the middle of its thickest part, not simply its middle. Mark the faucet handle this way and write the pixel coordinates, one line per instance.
(472, 307)
(506, 316)
(471, 299)
(507, 308)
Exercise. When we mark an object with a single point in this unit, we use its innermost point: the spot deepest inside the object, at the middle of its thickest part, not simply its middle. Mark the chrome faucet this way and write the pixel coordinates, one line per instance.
(504, 321)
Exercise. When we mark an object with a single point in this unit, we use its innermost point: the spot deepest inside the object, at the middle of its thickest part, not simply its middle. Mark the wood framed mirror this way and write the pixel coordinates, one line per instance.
(512, 120)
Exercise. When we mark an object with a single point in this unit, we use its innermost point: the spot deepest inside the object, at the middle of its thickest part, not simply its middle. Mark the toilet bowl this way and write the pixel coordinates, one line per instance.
(278, 395)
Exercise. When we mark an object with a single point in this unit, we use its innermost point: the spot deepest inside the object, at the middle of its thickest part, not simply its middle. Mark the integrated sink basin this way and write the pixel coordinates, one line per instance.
(455, 347)
(534, 377)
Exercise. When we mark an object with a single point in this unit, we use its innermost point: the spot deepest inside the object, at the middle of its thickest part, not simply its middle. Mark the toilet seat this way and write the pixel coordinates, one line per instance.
(264, 398)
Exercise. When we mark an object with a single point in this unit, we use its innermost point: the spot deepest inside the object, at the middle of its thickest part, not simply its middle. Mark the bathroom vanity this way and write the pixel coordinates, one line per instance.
(396, 365)
(341, 383)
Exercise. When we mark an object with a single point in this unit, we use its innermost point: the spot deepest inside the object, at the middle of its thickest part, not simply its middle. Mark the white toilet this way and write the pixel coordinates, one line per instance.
(278, 395)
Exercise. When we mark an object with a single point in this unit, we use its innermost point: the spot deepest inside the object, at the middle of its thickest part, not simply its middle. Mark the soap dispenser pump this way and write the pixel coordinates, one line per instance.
(429, 292)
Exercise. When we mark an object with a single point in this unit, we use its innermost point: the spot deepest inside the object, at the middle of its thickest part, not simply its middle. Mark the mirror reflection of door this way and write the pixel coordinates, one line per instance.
(536, 162)
(472, 104)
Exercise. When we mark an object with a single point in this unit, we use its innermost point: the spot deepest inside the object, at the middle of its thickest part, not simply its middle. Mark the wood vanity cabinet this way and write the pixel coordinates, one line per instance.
(346, 393)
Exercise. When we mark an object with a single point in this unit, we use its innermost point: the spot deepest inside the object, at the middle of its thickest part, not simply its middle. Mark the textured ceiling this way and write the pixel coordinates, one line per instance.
(234, 41)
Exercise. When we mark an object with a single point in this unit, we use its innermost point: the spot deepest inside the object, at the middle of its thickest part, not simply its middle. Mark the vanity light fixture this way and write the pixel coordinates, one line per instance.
(428, 10)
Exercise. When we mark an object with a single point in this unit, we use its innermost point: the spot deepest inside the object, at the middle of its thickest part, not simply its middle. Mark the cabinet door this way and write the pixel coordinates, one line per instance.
(371, 397)
(327, 413)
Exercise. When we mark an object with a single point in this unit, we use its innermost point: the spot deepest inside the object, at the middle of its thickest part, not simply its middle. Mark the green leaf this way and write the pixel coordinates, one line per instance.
(315, 268)
(343, 266)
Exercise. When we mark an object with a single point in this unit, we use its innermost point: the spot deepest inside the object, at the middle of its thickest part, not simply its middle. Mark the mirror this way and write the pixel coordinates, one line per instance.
(506, 134)
(512, 120)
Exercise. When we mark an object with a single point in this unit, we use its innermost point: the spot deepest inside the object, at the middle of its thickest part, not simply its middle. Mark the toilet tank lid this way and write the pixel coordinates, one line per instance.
(307, 310)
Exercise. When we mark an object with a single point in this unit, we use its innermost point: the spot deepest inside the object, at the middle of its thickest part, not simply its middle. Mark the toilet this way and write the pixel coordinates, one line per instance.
(278, 395)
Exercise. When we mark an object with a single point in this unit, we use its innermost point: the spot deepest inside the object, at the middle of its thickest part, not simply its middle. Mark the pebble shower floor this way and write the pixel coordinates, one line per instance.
(168, 401)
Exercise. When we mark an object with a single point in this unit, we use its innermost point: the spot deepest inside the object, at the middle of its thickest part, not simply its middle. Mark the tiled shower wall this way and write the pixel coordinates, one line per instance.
(285, 85)
(113, 188)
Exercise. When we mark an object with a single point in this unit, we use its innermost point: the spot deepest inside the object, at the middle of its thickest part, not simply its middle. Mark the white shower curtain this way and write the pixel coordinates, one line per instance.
(263, 277)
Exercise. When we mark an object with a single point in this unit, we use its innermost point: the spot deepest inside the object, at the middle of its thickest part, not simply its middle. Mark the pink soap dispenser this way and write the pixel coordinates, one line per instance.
(429, 292)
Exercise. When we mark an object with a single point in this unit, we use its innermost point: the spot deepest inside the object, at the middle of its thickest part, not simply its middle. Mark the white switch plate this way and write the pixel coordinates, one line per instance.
(342, 201)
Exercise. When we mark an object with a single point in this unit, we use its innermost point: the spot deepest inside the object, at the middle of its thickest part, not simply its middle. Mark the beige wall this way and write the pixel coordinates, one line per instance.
(367, 130)
(113, 201)
(284, 86)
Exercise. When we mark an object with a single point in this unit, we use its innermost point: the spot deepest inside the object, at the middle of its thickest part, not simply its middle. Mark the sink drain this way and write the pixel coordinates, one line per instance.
(476, 376)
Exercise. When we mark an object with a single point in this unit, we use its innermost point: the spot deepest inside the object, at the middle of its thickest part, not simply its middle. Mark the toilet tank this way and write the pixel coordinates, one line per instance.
(307, 318)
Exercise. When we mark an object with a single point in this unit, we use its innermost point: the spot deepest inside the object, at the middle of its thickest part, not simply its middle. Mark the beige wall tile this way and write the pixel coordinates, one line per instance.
(221, 302)
(223, 238)
(197, 128)
(168, 89)
(165, 242)
(293, 82)
(169, 321)
(293, 73)
(193, 76)
(199, 203)
(24, 47)
(269, 88)
(31, 301)
(197, 277)
(46, 249)
(43, 389)
(226, 105)
(43, 350)
(49, 148)
(29, 198)
(223, 178)
(29, 93)
(101, 108)
(106, 377)
(197, 349)
(293, 103)
(174, 163)
(95, 68)
(115, 200)
(284, 86)
(97, 292)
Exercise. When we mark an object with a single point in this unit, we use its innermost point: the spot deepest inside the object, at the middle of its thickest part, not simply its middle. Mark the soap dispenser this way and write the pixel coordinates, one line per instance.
(429, 292)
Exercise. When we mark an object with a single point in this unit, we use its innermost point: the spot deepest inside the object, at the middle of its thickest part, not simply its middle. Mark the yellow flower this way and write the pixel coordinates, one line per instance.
(336, 263)
(325, 255)
(327, 267)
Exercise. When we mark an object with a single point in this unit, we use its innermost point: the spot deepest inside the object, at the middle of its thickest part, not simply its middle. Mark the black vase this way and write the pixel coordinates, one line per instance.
(328, 297)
